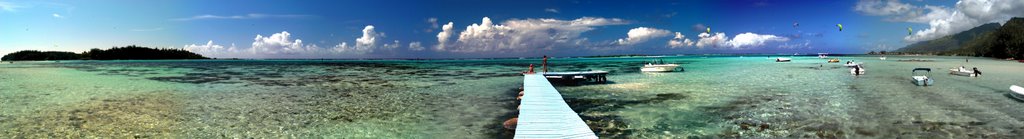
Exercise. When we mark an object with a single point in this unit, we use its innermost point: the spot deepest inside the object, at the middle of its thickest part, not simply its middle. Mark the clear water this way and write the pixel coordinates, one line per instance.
(719, 96)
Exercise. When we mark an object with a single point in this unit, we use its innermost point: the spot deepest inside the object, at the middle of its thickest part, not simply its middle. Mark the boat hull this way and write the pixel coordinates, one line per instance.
(1017, 96)
(962, 73)
(922, 81)
(1017, 89)
(1018, 92)
(854, 71)
(659, 68)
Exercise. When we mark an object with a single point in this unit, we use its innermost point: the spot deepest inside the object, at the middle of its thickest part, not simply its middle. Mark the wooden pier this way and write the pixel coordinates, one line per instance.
(544, 114)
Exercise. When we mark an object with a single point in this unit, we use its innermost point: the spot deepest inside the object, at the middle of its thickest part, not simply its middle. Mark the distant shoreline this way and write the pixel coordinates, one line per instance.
(130, 52)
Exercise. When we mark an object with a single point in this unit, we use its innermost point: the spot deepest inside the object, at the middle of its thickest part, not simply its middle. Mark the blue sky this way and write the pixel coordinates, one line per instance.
(416, 29)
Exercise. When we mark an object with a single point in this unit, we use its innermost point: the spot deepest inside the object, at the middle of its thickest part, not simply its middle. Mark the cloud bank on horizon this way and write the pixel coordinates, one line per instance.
(942, 20)
(510, 36)
(560, 28)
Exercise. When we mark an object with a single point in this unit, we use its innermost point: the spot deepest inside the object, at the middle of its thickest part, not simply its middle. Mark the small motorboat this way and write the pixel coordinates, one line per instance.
(858, 70)
(834, 60)
(922, 80)
(963, 72)
(782, 59)
(822, 55)
(881, 58)
(658, 66)
(1018, 92)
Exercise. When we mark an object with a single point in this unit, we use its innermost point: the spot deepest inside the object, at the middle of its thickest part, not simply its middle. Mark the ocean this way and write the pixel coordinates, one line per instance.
(712, 96)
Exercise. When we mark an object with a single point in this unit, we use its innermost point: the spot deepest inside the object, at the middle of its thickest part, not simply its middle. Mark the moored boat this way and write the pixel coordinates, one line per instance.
(782, 59)
(858, 70)
(963, 72)
(658, 66)
(1018, 92)
(922, 80)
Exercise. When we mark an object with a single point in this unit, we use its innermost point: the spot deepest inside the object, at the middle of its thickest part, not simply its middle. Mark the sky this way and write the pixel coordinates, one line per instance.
(489, 28)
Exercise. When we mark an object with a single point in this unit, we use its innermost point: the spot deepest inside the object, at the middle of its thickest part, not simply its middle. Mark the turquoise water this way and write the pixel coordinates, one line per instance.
(718, 96)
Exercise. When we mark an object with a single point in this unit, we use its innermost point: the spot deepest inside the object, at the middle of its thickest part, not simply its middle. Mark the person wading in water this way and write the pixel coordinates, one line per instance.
(976, 72)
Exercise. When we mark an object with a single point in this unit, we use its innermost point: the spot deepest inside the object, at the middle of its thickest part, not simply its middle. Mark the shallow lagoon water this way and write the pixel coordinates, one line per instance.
(718, 96)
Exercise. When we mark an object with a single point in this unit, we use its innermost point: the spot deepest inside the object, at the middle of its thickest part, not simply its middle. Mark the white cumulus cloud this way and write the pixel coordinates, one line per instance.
(444, 35)
(369, 37)
(705, 39)
(392, 45)
(525, 34)
(211, 49)
(366, 43)
(751, 39)
(55, 15)
(278, 43)
(344, 47)
(416, 46)
(740, 41)
(680, 41)
(642, 34)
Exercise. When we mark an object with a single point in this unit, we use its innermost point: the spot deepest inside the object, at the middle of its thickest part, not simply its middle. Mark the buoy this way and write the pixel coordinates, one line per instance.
(510, 124)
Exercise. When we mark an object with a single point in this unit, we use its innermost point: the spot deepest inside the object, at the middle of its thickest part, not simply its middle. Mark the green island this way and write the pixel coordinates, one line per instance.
(131, 52)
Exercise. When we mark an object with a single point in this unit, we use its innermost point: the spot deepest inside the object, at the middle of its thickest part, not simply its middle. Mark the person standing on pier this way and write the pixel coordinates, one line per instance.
(545, 64)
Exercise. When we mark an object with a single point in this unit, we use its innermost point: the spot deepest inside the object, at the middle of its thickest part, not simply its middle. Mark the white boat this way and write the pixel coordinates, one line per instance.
(963, 72)
(1018, 92)
(858, 70)
(782, 59)
(922, 80)
(822, 55)
(882, 58)
(658, 66)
